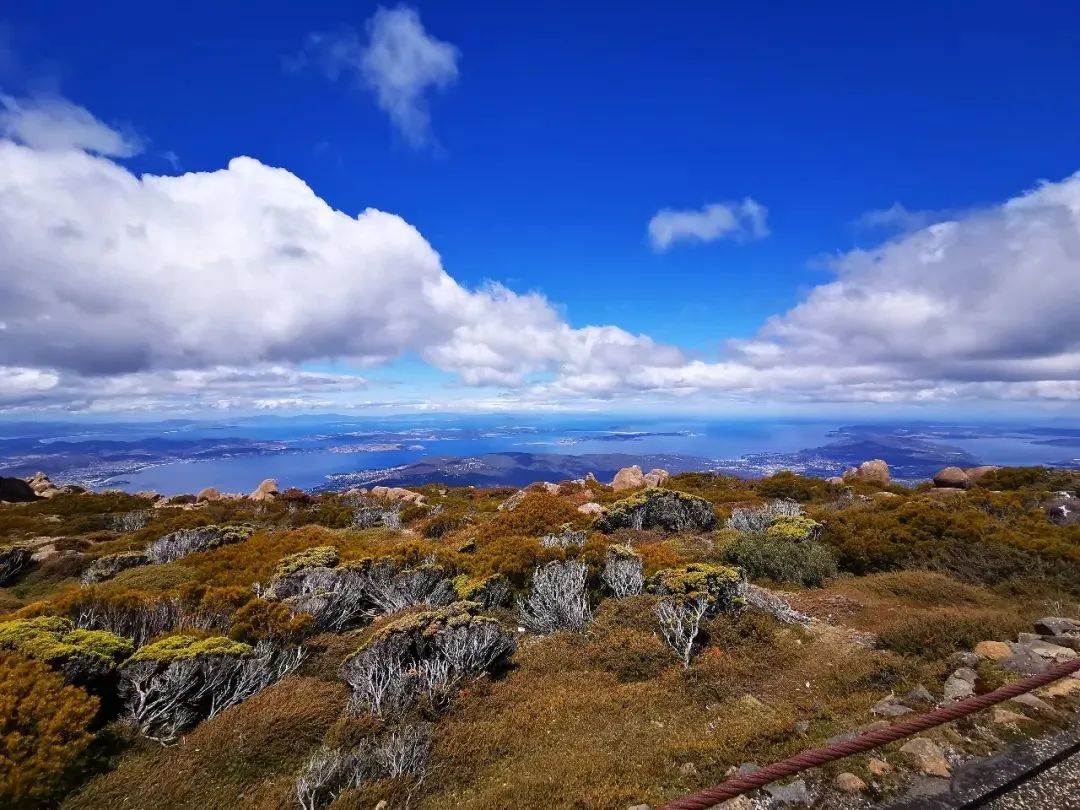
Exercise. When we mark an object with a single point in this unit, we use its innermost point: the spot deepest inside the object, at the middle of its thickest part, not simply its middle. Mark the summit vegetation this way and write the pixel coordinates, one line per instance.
(572, 644)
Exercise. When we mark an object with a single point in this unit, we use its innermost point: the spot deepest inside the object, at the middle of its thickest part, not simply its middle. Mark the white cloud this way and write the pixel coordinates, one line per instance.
(52, 123)
(738, 220)
(400, 63)
(209, 290)
(103, 273)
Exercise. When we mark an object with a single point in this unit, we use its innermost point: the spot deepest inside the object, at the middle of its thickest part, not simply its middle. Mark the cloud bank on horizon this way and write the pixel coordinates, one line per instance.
(228, 289)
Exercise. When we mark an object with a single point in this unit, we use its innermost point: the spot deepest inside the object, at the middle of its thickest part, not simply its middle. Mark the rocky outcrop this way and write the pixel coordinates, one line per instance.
(875, 471)
(398, 495)
(628, 478)
(15, 490)
(266, 491)
(975, 474)
(633, 478)
(591, 508)
(660, 509)
(951, 478)
(656, 477)
(208, 494)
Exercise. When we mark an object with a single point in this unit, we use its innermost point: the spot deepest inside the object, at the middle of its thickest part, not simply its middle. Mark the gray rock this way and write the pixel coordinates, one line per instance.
(960, 685)
(792, 793)
(801, 727)
(964, 659)
(1056, 626)
(1071, 642)
(747, 768)
(1025, 662)
(888, 707)
(1048, 651)
(920, 694)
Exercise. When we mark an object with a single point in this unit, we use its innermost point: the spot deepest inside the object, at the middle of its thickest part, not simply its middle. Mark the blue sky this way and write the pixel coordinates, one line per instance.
(562, 129)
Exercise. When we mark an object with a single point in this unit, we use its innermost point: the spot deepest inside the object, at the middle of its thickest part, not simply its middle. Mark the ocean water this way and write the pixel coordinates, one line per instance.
(309, 460)
(304, 451)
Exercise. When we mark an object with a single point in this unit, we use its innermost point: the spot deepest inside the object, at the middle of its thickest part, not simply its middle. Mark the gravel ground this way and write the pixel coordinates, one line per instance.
(1056, 788)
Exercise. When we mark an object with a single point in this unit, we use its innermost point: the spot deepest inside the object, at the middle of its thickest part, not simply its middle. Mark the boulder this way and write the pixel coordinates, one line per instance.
(925, 755)
(398, 495)
(149, 495)
(40, 483)
(836, 480)
(974, 474)
(951, 478)
(875, 471)
(591, 508)
(208, 494)
(266, 491)
(656, 477)
(1056, 626)
(15, 490)
(628, 478)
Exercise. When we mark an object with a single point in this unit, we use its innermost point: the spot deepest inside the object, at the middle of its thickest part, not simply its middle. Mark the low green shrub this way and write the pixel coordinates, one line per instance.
(766, 556)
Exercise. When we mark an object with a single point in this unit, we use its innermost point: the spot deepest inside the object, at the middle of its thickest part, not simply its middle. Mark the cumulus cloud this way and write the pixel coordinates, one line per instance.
(53, 123)
(212, 289)
(401, 63)
(104, 273)
(737, 220)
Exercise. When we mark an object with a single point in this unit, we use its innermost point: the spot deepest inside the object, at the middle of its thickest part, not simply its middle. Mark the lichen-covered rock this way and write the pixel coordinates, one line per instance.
(660, 509)
(566, 537)
(82, 656)
(723, 585)
(952, 477)
(13, 561)
(107, 567)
